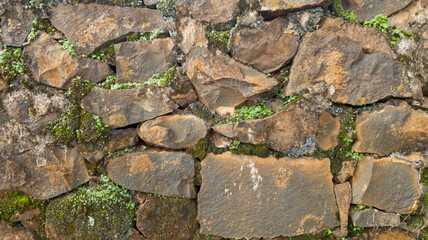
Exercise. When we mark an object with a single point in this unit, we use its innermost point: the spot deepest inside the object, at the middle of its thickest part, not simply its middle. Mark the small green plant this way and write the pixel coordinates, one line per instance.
(354, 155)
(350, 16)
(167, 8)
(67, 45)
(221, 39)
(340, 12)
(244, 113)
(234, 145)
(36, 5)
(12, 63)
(157, 33)
(381, 22)
(39, 25)
(104, 53)
(17, 202)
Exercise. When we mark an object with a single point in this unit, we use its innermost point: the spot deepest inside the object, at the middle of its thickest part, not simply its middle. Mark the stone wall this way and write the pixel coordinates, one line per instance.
(209, 119)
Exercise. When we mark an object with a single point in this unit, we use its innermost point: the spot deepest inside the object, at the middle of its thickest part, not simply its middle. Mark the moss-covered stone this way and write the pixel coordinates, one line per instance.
(220, 39)
(12, 63)
(202, 148)
(250, 149)
(17, 202)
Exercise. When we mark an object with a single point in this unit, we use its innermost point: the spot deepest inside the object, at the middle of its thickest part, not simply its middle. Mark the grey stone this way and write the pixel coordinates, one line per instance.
(16, 24)
(343, 193)
(374, 218)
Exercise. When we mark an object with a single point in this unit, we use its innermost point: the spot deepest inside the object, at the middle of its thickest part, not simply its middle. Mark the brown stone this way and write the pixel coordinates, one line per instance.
(16, 24)
(387, 234)
(267, 47)
(347, 171)
(220, 141)
(151, 2)
(51, 65)
(173, 131)
(138, 61)
(167, 218)
(12, 174)
(181, 91)
(119, 108)
(351, 64)
(343, 195)
(15, 233)
(272, 8)
(367, 9)
(26, 215)
(166, 173)
(291, 128)
(191, 34)
(209, 11)
(374, 218)
(391, 129)
(412, 17)
(327, 132)
(247, 196)
(388, 184)
(90, 27)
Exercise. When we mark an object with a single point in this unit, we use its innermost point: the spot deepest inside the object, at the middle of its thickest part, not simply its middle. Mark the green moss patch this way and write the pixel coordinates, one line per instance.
(17, 202)
(12, 63)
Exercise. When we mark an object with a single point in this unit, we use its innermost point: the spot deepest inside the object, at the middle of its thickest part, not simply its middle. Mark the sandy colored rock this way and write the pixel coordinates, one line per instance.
(347, 171)
(166, 173)
(16, 24)
(119, 108)
(411, 17)
(352, 64)
(374, 218)
(209, 11)
(394, 234)
(220, 141)
(151, 2)
(90, 27)
(283, 131)
(173, 131)
(15, 233)
(367, 9)
(272, 8)
(246, 196)
(26, 215)
(343, 195)
(191, 34)
(138, 61)
(51, 65)
(391, 129)
(388, 184)
(181, 91)
(12, 174)
(328, 130)
(267, 47)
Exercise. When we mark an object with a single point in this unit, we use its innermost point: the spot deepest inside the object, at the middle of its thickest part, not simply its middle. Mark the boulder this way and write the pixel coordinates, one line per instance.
(274, 8)
(16, 24)
(391, 129)
(173, 131)
(119, 108)
(388, 184)
(247, 196)
(90, 27)
(209, 11)
(352, 64)
(374, 218)
(367, 9)
(343, 195)
(138, 61)
(15, 233)
(166, 173)
(267, 47)
(327, 132)
(51, 65)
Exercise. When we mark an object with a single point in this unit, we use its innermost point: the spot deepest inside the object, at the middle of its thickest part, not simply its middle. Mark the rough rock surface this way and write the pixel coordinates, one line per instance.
(388, 184)
(347, 171)
(221, 82)
(166, 173)
(90, 27)
(138, 61)
(181, 91)
(367, 9)
(343, 193)
(51, 65)
(267, 47)
(210, 11)
(151, 2)
(391, 129)
(12, 174)
(191, 34)
(178, 218)
(353, 64)
(16, 24)
(273, 8)
(374, 218)
(119, 108)
(176, 131)
(412, 17)
(290, 128)
(383, 234)
(15, 233)
(327, 132)
(246, 196)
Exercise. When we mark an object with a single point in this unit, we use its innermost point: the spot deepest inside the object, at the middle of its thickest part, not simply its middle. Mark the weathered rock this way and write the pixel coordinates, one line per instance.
(327, 132)
(285, 196)
(119, 108)
(367, 9)
(16, 24)
(51, 65)
(166, 173)
(412, 17)
(421, 59)
(374, 218)
(343, 195)
(267, 47)
(391, 129)
(209, 11)
(220, 81)
(290, 128)
(26, 215)
(12, 174)
(138, 61)
(347, 171)
(175, 131)
(388, 184)
(167, 218)
(354, 65)
(90, 27)
(15, 233)
(151, 3)
(272, 8)
(390, 234)
(118, 139)
(191, 34)
(220, 141)
(181, 91)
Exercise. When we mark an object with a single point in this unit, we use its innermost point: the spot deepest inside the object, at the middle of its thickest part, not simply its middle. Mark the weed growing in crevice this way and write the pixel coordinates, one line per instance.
(167, 8)
(67, 45)
(157, 33)
(39, 25)
(381, 22)
(106, 54)
(12, 63)
(234, 145)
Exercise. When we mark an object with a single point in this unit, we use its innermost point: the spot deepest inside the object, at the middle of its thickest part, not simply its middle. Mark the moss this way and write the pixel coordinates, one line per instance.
(127, 150)
(250, 149)
(202, 148)
(106, 54)
(12, 63)
(167, 8)
(157, 33)
(17, 202)
(220, 39)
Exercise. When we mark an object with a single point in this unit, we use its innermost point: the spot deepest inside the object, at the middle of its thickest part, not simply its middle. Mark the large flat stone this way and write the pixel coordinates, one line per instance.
(246, 196)
(374, 218)
(119, 108)
(272, 8)
(90, 27)
(367, 9)
(389, 184)
(166, 173)
(209, 11)
(16, 24)
(391, 129)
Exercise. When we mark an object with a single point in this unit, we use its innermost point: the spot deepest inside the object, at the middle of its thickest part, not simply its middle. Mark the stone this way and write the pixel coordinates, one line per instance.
(393, 234)
(181, 91)
(51, 65)
(118, 139)
(283, 131)
(178, 218)
(327, 132)
(151, 3)
(15, 233)
(16, 24)
(191, 34)
(343, 195)
(12, 174)
(220, 141)
(166, 173)
(412, 17)
(388, 184)
(90, 27)
(367, 9)
(26, 215)
(220, 81)
(138, 61)
(267, 47)
(209, 11)
(346, 172)
(274, 8)
(351, 64)
(374, 218)
(173, 131)
(391, 129)
(119, 108)
(247, 196)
